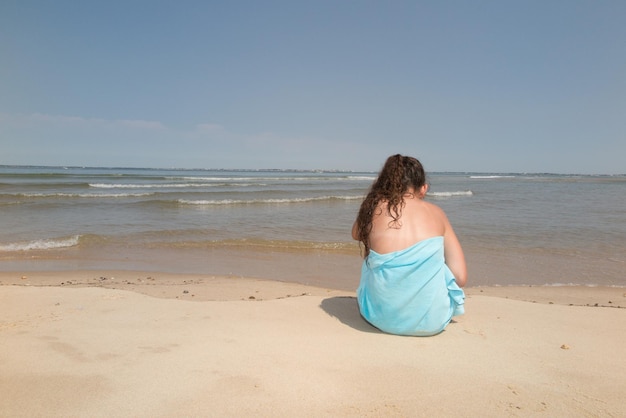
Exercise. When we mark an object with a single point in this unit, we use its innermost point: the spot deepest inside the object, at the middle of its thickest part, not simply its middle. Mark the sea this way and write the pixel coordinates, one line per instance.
(294, 226)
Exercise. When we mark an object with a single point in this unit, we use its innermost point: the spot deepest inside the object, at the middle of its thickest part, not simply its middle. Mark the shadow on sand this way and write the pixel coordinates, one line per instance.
(346, 309)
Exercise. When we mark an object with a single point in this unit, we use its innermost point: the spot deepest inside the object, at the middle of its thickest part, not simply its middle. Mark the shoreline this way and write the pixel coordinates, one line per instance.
(181, 286)
(200, 287)
(489, 267)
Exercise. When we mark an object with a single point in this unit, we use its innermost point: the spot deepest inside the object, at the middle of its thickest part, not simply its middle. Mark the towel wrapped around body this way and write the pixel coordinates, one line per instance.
(411, 291)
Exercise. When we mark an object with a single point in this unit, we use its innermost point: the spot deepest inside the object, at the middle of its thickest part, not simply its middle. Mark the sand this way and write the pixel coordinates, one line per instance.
(120, 344)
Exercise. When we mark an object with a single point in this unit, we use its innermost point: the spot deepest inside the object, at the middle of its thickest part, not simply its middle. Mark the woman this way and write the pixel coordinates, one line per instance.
(414, 265)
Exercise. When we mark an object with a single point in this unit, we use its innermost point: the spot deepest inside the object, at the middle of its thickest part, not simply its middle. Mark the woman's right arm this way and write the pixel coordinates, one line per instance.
(453, 253)
(355, 231)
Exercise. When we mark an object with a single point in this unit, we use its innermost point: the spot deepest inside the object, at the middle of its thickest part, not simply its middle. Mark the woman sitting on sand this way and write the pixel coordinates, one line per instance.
(414, 265)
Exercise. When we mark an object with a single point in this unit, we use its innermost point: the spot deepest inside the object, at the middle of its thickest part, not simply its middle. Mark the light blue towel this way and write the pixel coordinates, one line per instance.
(411, 291)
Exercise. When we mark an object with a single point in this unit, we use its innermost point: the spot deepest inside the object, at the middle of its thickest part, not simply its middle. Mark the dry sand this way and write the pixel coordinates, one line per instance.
(119, 344)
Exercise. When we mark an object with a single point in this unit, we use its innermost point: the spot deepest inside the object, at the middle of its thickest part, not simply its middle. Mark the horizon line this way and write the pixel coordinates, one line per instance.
(525, 173)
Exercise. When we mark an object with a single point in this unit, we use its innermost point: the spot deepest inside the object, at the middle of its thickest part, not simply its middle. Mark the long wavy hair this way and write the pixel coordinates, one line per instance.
(398, 175)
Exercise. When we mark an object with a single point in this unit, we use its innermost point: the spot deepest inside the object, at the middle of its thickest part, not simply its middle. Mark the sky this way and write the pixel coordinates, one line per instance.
(481, 86)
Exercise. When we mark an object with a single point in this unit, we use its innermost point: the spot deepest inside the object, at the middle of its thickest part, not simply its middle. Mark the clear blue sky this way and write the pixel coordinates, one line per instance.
(490, 86)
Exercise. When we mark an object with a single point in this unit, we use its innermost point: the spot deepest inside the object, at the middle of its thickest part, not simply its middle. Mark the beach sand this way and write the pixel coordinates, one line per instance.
(119, 344)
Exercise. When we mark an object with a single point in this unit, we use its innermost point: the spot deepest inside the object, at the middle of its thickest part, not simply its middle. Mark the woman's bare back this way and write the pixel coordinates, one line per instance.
(419, 220)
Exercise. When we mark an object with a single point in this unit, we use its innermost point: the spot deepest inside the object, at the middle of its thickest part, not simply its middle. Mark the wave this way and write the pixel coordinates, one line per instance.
(47, 185)
(265, 201)
(223, 182)
(175, 240)
(493, 177)
(41, 244)
(274, 178)
(86, 195)
(368, 178)
(450, 194)
(227, 180)
(150, 186)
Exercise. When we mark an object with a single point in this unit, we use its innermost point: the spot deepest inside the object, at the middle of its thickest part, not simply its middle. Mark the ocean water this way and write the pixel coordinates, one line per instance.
(295, 225)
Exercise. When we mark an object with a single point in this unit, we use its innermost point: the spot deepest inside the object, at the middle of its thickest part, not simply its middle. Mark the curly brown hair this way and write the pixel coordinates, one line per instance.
(398, 175)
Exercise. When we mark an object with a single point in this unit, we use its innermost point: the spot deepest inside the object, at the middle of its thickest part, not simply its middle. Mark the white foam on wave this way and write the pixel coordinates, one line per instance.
(265, 201)
(369, 178)
(276, 178)
(224, 179)
(450, 194)
(41, 244)
(87, 195)
(492, 177)
(148, 186)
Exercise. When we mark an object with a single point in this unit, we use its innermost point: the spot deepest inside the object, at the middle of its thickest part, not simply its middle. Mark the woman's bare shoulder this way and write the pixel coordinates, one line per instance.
(433, 207)
(438, 213)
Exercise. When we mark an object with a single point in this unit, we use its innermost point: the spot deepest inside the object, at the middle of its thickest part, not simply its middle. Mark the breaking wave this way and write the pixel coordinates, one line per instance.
(266, 201)
(450, 194)
(41, 244)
